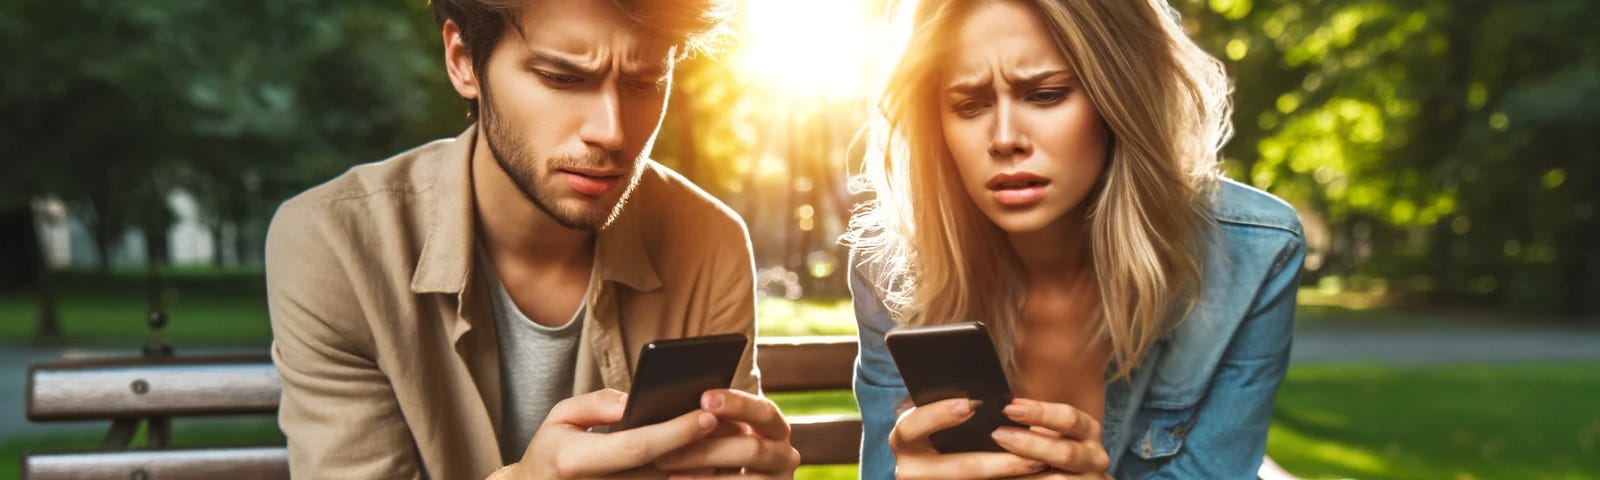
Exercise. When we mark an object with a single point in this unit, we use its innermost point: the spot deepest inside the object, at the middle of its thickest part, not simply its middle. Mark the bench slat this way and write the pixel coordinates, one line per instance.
(102, 389)
(806, 363)
(232, 463)
(821, 440)
(826, 439)
(76, 392)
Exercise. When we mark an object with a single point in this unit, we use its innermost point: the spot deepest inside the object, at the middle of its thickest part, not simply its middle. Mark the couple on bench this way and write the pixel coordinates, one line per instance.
(474, 308)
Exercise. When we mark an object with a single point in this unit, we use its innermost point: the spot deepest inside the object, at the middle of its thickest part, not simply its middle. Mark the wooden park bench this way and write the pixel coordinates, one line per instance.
(154, 388)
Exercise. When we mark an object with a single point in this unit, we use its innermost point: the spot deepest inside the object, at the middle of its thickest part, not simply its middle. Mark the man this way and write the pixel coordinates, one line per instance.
(470, 308)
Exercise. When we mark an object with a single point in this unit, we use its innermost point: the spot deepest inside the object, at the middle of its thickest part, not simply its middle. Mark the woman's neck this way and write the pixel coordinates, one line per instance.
(1057, 253)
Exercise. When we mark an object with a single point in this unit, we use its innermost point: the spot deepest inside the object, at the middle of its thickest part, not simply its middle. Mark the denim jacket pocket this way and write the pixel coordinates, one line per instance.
(1159, 432)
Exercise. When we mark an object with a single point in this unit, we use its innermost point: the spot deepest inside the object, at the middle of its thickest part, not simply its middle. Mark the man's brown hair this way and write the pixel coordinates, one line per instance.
(693, 26)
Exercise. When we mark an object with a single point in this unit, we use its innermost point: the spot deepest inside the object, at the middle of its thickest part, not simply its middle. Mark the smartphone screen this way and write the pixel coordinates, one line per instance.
(954, 361)
(672, 374)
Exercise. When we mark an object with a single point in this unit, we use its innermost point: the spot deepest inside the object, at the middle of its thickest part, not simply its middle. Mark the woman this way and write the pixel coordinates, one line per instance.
(1050, 168)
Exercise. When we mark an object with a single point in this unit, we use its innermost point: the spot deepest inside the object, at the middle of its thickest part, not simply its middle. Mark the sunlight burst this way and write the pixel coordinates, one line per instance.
(817, 49)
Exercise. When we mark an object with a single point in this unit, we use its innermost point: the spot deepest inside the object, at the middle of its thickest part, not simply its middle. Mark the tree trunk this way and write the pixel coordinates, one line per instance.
(25, 263)
(155, 255)
(105, 227)
(17, 259)
(49, 328)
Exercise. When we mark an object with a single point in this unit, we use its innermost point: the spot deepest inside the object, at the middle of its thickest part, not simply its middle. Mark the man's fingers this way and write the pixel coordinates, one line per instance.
(914, 426)
(964, 466)
(617, 451)
(1072, 456)
(1069, 422)
(600, 407)
(729, 429)
(1060, 475)
(759, 413)
(725, 476)
(745, 451)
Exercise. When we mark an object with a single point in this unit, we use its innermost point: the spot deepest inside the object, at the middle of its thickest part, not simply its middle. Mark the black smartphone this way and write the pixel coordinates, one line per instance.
(955, 361)
(673, 373)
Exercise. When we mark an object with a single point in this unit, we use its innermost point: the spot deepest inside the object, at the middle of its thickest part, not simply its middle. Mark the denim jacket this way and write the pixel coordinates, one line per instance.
(1199, 405)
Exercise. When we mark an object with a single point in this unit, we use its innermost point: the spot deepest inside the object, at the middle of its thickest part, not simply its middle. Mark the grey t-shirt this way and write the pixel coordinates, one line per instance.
(536, 368)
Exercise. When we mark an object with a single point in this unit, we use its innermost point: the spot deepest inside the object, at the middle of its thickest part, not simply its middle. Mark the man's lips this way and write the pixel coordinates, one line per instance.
(592, 182)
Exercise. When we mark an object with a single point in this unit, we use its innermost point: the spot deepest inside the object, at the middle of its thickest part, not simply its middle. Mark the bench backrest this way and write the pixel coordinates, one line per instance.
(175, 387)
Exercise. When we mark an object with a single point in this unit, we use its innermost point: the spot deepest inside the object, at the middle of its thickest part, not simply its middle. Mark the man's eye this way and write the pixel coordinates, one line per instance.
(647, 87)
(560, 79)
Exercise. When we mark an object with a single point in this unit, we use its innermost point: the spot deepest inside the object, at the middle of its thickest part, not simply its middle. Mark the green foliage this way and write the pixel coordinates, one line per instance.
(111, 105)
(1451, 132)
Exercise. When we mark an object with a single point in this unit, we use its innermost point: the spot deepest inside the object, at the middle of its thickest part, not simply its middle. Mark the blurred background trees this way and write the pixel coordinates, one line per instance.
(1442, 151)
(1445, 147)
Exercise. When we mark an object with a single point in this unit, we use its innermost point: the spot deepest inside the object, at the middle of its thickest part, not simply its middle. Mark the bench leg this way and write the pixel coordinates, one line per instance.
(160, 432)
(121, 433)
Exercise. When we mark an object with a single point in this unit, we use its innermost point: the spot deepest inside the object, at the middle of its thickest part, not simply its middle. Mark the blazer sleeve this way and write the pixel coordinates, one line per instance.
(732, 289)
(337, 409)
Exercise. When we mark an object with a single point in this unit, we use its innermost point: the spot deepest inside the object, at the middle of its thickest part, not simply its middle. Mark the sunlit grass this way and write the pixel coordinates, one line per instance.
(781, 317)
(1479, 422)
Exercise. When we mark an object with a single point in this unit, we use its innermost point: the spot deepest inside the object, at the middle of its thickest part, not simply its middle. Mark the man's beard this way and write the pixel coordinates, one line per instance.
(519, 161)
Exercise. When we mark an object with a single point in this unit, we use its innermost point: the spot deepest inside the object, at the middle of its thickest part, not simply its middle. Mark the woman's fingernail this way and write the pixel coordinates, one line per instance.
(1004, 435)
(707, 421)
(713, 401)
(1016, 411)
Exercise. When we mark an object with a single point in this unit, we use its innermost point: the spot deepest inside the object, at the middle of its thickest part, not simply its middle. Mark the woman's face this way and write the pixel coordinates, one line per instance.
(1027, 141)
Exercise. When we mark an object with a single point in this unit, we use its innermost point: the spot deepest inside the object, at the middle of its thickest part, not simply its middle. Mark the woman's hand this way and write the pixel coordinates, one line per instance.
(1062, 437)
(915, 457)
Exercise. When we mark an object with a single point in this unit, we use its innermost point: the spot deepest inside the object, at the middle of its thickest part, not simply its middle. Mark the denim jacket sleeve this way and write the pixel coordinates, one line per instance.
(878, 388)
(1226, 436)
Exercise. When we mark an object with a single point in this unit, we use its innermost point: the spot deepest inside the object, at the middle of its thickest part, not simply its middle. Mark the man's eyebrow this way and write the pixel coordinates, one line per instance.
(572, 66)
(537, 57)
(653, 71)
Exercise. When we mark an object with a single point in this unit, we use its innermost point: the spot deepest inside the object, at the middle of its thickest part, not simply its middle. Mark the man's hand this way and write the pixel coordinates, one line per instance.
(752, 441)
(564, 448)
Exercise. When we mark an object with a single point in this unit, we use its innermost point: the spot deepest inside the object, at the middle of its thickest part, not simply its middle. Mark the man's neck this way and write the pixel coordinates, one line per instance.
(513, 227)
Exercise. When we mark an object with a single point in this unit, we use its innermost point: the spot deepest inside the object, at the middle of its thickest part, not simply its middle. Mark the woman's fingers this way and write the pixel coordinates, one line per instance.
(1066, 454)
(1062, 418)
(912, 430)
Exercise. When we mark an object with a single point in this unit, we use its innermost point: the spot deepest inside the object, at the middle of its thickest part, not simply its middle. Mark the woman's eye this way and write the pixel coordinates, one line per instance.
(1046, 96)
(968, 108)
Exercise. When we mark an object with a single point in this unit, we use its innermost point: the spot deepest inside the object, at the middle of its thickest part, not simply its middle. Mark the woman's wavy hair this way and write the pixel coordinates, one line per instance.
(935, 258)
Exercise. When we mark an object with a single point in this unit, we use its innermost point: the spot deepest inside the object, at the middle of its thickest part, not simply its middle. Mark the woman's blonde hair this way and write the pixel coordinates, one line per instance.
(935, 258)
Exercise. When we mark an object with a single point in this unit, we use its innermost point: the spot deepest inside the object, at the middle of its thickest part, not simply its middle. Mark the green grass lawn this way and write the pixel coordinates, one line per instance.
(204, 307)
(1536, 421)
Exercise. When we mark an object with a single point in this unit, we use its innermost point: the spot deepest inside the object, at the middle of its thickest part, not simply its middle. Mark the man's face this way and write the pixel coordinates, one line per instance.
(570, 105)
